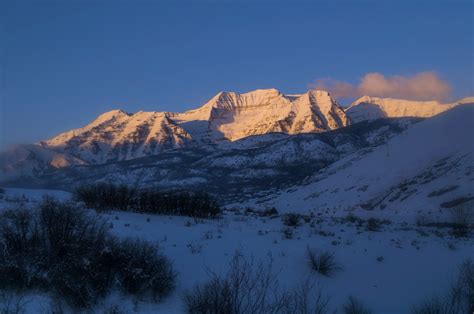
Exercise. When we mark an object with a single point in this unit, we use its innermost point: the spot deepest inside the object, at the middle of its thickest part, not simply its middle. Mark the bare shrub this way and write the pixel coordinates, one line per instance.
(461, 219)
(141, 269)
(269, 212)
(459, 298)
(307, 298)
(246, 288)
(354, 306)
(292, 220)
(322, 262)
(250, 287)
(373, 224)
(350, 217)
(60, 248)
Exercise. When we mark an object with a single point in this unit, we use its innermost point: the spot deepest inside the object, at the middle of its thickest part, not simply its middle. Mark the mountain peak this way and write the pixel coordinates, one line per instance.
(115, 113)
(264, 92)
(370, 108)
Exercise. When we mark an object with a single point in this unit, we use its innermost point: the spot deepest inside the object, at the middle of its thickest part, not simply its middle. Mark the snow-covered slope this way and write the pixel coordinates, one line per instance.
(378, 268)
(429, 168)
(366, 108)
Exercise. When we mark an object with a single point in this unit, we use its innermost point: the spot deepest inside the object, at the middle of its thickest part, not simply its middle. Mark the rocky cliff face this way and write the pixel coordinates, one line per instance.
(234, 116)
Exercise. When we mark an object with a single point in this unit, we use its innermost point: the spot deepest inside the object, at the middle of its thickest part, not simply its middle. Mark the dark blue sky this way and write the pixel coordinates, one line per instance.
(65, 62)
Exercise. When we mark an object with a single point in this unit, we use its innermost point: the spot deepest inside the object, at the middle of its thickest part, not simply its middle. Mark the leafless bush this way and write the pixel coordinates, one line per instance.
(350, 217)
(373, 224)
(461, 218)
(292, 220)
(269, 212)
(142, 269)
(307, 298)
(322, 262)
(246, 288)
(459, 299)
(354, 306)
(62, 249)
(250, 287)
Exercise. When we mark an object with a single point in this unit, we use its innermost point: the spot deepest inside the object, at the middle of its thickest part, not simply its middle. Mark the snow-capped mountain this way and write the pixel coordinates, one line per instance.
(245, 138)
(367, 108)
(228, 116)
(233, 116)
(117, 135)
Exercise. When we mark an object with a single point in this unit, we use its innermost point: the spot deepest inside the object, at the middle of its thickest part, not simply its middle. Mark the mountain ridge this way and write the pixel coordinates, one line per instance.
(228, 121)
(228, 116)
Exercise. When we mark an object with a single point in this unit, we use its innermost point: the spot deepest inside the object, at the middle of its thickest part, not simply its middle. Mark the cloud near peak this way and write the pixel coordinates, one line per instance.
(421, 86)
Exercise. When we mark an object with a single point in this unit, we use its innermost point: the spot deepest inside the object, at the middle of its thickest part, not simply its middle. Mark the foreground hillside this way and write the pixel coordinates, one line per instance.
(389, 267)
(426, 170)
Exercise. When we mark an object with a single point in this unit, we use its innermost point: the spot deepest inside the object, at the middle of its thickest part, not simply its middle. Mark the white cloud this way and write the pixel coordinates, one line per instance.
(421, 86)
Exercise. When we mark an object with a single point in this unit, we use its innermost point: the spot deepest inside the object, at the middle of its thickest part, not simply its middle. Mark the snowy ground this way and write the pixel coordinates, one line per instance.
(417, 172)
(416, 262)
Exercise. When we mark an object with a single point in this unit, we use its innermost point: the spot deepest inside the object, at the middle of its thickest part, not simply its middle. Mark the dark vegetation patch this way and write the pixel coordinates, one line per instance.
(292, 219)
(456, 202)
(249, 211)
(363, 188)
(104, 196)
(269, 212)
(461, 221)
(371, 224)
(67, 251)
(322, 262)
(443, 191)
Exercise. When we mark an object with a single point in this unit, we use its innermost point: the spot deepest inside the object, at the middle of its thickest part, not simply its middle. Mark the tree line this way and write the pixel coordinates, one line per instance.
(107, 196)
